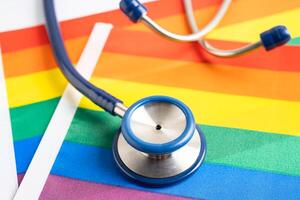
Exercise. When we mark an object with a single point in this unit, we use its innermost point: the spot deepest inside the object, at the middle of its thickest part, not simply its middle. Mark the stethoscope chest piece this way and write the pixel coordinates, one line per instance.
(159, 142)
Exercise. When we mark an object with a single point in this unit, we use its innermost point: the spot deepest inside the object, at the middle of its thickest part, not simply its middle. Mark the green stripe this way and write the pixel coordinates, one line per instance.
(82, 129)
(295, 41)
(235, 147)
(32, 120)
(93, 128)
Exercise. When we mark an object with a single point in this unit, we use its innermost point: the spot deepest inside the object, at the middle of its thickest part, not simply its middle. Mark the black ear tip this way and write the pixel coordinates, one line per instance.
(275, 37)
(133, 9)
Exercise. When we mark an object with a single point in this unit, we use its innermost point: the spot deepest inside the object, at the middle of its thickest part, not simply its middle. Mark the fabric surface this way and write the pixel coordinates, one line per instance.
(248, 107)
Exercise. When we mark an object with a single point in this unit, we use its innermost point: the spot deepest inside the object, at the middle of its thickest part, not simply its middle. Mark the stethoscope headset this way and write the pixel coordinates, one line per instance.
(159, 142)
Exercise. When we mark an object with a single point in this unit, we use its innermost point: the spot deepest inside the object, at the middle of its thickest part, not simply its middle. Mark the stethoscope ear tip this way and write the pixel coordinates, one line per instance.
(275, 37)
(133, 9)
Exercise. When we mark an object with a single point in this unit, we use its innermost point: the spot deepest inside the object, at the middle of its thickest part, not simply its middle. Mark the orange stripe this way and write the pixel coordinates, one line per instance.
(39, 58)
(14, 40)
(201, 76)
(146, 44)
(243, 10)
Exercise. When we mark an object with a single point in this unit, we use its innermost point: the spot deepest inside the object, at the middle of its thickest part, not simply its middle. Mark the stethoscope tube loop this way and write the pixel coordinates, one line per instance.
(136, 12)
(269, 39)
(188, 6)
(95, 94)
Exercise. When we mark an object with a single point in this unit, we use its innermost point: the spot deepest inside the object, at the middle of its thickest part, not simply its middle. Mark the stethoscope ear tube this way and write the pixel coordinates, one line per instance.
(95, 94)
(269, 39)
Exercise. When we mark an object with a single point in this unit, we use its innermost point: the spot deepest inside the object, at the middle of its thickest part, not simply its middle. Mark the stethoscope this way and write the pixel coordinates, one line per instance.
(158, 142)
(269, 39)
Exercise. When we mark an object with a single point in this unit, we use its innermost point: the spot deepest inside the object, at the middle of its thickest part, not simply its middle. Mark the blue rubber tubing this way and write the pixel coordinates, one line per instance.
(95, 94)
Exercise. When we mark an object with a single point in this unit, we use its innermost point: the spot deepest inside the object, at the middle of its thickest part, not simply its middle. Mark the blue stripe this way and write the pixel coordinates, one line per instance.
(95, 164)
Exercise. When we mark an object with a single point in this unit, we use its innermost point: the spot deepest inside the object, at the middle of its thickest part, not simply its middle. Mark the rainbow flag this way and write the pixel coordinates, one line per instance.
(248, 106)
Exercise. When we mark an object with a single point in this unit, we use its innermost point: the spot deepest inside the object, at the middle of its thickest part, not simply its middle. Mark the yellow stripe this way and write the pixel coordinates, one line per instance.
(209, 108)
(23, 90)
(249, 31)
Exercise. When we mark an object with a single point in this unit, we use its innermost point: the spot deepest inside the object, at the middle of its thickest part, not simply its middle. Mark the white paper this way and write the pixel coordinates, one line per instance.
(43, 160)
(8, 171)
(18, 14)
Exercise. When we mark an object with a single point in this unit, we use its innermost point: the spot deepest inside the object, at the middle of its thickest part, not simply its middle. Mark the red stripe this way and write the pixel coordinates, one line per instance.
(30, 37)
(151, 44)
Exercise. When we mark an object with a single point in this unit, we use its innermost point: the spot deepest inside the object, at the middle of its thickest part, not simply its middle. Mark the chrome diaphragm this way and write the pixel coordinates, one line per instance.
(159, 142)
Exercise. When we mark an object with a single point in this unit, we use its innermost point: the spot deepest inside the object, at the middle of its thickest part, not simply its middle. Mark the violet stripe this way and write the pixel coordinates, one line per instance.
(61, 188)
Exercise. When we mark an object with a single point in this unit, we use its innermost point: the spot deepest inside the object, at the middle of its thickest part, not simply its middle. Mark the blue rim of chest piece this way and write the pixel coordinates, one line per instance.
(160, 181)
(164, 148)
